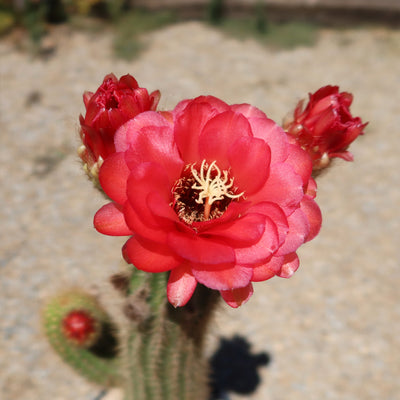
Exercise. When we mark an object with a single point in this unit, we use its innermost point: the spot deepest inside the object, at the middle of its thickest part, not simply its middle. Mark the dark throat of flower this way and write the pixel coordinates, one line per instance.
(107, 96)
(204, 194)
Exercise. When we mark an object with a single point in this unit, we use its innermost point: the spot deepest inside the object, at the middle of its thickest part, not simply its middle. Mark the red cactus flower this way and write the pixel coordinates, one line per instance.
(211, 192)
(114, 103)
(79, 327)
(325, 127)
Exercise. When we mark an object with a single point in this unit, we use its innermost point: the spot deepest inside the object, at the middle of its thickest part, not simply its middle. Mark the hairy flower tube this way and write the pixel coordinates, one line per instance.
(325, 127)
(213, 193)
(114, 103)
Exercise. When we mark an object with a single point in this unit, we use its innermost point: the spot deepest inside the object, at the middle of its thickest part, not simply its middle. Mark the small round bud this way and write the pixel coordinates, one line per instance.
(80, 327)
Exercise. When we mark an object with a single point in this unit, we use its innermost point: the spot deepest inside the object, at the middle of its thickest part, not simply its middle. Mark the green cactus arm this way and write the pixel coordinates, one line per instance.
(96, 357)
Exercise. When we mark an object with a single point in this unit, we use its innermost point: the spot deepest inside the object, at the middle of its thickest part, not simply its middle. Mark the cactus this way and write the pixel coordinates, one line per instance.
(155, 350)
(83, 335)
(160, 347)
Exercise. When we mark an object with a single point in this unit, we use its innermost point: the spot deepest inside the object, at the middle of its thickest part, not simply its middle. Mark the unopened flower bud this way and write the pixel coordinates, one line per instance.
(114, 103)
(81, 328)
(325, 127)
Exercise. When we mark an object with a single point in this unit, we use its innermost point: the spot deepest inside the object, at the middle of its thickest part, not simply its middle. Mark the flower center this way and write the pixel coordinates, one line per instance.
(200, 195)
(111, 102)
(107, 96)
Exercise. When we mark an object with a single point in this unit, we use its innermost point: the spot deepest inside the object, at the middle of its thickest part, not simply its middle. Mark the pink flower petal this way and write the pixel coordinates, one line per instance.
(181, 285)
(320, 125)
(242, 232)
(188, 126)
(136, 224)
(150, 256)
(129, 81)
(143, 100)
(230, 278)
(321, 93)
(113, 177)
(299, 228)
(155, 144)
(249, 159)
(290, 265)
(268, 270)
(262, 250)
(217, 105)
(273, 135)
(311, 190)
(314, 216)
(161, 209)
(283, 187)
(125, 135)
(145, 179)
(234, 210)
(248, 111)
(301, 162)
(236, 297)
(93, 111)
(118, 118)
(275, 213)
(199, 250)
(218, 135)
(110, 220)
(181, 107)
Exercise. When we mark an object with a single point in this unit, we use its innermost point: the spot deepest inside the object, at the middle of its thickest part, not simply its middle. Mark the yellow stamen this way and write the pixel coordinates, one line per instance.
(212, 189)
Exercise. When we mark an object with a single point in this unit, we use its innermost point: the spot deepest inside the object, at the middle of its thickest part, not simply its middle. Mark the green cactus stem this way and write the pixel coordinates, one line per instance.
(83, 335)
(161, 345)
(160, 348)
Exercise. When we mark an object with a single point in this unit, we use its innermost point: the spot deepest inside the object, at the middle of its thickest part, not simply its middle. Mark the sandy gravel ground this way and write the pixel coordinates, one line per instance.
(332, 330)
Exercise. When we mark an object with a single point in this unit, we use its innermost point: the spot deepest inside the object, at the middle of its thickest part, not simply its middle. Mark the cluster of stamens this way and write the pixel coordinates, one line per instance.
(214, 186)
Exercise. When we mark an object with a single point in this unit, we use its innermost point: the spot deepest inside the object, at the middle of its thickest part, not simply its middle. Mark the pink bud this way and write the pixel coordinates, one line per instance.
(325, 127)
(114, 103)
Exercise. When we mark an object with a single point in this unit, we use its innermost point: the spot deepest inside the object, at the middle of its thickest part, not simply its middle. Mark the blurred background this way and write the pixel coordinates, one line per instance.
(332, 330)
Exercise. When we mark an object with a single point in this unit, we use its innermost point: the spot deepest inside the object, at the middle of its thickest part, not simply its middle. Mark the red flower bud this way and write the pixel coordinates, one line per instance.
(325, 127)
(80, 327)
(114, 103)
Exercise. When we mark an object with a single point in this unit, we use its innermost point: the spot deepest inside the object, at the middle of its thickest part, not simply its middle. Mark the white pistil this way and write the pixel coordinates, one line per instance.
(212, 189)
